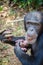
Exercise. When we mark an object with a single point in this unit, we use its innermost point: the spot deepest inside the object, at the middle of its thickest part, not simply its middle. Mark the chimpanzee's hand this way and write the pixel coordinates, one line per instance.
(23, 44)
(7, 33)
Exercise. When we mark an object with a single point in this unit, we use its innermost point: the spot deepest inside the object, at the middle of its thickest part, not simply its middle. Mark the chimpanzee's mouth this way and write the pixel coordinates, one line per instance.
(31, 38)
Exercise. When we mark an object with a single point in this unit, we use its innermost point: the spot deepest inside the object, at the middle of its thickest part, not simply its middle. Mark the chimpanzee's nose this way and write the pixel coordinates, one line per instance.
(31, 29)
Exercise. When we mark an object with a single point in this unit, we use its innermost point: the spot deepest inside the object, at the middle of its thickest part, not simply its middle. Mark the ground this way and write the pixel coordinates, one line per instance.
(7, 55)
(7, 16)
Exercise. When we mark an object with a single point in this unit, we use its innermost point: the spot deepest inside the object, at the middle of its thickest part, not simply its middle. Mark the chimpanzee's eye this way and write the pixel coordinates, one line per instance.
(28, 22)
(31, 23)
(35, 25)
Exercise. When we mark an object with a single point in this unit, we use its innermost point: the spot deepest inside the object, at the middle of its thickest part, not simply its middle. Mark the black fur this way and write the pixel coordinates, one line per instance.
(37, 54)
(36, 59)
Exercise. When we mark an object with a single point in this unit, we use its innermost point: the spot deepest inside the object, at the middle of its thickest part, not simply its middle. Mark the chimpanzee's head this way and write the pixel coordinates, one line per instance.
(33, 25)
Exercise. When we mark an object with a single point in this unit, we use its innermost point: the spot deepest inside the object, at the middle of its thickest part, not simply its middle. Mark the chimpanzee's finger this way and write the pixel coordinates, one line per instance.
(7, 33)
(24, 49)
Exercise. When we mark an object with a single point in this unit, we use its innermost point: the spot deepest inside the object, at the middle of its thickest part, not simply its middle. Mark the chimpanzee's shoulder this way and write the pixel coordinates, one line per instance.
(40, 41)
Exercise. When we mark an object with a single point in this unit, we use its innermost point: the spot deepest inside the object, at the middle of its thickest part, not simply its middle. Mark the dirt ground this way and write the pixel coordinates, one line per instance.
(7, 55)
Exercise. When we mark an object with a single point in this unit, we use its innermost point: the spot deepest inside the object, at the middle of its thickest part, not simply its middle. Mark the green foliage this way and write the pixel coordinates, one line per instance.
(1, 8)
(5, 47)
(31, 3)
(14, 1)
(11, 12)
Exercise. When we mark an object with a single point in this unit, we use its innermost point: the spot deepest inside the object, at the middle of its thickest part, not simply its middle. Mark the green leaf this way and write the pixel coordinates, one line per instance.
(1, 8)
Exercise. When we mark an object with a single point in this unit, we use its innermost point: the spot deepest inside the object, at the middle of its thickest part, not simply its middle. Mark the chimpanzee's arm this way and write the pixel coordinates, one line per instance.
(10, 39)
(29, 60)
(7, 37)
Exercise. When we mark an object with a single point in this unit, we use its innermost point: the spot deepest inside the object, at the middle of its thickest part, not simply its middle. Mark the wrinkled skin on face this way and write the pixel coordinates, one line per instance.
(33, 28)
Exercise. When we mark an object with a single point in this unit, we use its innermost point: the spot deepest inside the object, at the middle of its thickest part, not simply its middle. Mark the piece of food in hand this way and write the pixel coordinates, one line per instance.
(24, 49)
(24, 44)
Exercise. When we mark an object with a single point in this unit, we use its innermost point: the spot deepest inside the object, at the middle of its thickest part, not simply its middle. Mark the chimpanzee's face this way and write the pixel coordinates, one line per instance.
(33, 27)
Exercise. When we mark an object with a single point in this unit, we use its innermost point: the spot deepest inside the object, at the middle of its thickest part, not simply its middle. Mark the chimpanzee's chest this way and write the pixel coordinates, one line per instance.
(32, 50)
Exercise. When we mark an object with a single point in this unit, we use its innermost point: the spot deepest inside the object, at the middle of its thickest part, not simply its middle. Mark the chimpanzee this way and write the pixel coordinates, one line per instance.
(33, 22)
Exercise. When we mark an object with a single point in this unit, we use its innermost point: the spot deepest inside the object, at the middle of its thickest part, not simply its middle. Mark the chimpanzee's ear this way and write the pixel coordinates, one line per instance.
(25, 23)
